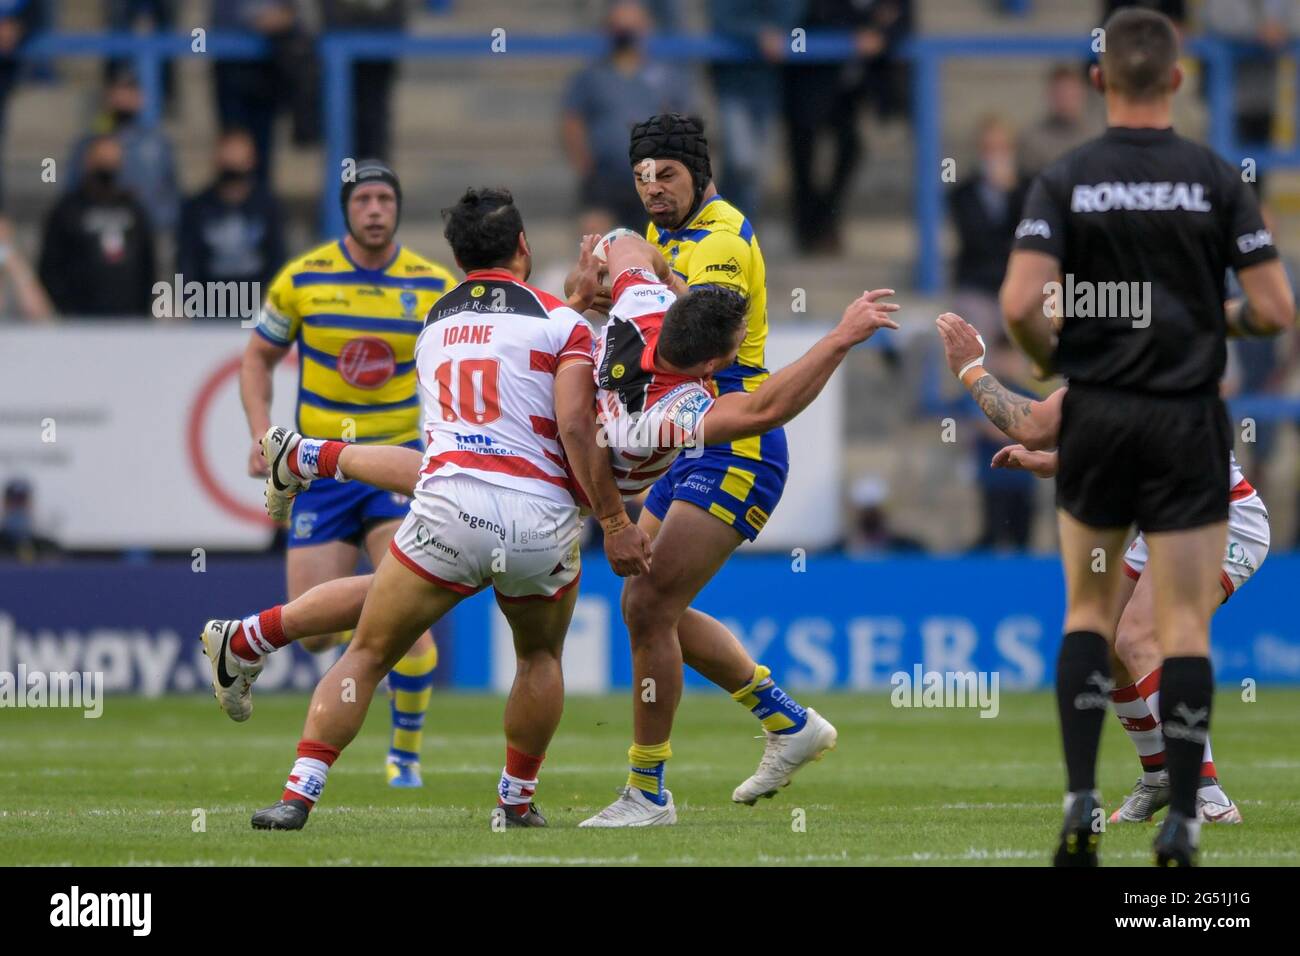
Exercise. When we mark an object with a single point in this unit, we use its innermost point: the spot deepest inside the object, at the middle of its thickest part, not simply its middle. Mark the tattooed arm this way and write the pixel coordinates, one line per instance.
(1032, 423)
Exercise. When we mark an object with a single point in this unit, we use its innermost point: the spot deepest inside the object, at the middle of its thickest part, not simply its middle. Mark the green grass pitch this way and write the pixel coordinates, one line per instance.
(904, 787)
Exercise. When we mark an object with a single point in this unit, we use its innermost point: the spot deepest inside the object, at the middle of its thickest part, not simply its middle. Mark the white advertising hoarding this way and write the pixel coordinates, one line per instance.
(132, 435)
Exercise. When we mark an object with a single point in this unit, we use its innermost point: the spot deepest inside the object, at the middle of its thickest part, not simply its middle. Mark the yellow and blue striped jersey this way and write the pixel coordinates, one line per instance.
(355, 329)
(718, 247)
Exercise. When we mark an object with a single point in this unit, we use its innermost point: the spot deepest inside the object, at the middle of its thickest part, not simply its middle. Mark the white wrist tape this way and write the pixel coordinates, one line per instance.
(975, 361)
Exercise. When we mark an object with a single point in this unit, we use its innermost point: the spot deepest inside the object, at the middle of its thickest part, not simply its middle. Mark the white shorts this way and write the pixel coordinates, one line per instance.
(463, 534)
(1248, 538)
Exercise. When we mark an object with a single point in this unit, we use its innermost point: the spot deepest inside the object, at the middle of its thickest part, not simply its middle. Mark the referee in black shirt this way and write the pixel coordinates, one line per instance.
(1123, 248)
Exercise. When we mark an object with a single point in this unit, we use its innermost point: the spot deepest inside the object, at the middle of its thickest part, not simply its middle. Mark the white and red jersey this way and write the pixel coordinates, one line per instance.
(647, 416)
(1241, 488)
(486, 362)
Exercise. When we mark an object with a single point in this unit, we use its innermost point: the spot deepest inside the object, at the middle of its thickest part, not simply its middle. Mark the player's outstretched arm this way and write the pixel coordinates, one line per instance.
(1032, 423)
(388, 467)
(627, 547)
(788, 392)
(1019, 458)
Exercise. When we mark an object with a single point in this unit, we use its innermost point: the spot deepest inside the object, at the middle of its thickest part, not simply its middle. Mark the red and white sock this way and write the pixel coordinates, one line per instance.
(317, 458)
(307, 778)
(519, 778)
(1207, 761)
(1136, 706)
(259, 635)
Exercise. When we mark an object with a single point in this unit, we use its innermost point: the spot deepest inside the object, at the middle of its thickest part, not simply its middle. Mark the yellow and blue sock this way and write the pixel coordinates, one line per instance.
(647, 770)
(776, 710)
(411, 684)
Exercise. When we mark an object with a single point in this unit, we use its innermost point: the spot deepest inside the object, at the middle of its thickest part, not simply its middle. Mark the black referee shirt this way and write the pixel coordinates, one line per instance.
(1145, 225)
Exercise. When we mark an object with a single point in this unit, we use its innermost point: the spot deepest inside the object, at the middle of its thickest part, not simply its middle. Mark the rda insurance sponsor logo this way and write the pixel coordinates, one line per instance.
(76, 690)
(76, 909)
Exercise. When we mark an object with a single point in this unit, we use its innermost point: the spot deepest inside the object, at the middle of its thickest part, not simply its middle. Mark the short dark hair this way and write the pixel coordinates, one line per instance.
(1141, 49)
(483, 228)
(702, 325)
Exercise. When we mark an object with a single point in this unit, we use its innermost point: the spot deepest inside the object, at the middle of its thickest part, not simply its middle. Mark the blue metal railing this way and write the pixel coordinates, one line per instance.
(927, 54)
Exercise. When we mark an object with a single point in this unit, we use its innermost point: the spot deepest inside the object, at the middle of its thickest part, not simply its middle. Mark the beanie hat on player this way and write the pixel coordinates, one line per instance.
(674, 136)
(369, 171)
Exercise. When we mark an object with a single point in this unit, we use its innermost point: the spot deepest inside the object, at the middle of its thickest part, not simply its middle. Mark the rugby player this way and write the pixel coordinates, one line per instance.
(353, 307)
(654, 360)
(1135, 656)
(706, 504)
(506, 391)
(1144, 435)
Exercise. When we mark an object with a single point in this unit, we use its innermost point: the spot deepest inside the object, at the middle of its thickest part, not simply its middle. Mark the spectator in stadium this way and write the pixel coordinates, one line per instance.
(148, 167)
(824, 97)
(604, 101)
(18, 537)
(125, 15)
(869, 530)
(985, 208)
(97, 255)
(372, 80)
(230, 232)
(17, 20)
(749, 93)
(1065, 125)
(1265, 22)
(21, 293)
(250, 93)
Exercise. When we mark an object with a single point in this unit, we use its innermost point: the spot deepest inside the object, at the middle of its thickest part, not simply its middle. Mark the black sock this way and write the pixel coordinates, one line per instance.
(1082, 693)
(1186, 695)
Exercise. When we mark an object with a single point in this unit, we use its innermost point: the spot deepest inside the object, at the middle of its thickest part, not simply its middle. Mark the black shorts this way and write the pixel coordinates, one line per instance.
(1158, 461)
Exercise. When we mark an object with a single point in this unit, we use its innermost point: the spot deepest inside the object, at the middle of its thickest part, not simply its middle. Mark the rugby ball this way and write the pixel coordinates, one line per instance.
(601, 252)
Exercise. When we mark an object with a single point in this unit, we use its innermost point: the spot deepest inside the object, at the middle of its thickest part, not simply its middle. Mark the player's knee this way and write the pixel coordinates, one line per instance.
(646, 610)
(1134, 639)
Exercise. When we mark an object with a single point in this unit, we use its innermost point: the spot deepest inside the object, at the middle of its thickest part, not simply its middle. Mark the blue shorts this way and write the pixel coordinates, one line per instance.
(740, 492)
(330, 511)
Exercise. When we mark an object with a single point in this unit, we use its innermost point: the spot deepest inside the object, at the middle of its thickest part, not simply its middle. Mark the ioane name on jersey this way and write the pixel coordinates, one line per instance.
(486, 362)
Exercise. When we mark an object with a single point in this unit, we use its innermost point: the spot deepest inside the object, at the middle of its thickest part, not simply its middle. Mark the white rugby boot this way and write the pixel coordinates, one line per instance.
(1215, 806)
(634, 809)
(784, 754)
(278, 444)
(232, 677)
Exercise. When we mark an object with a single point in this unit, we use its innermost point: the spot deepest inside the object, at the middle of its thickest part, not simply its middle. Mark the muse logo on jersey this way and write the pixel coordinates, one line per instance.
(74, 908)
(1139, 197)
(1250, 241)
